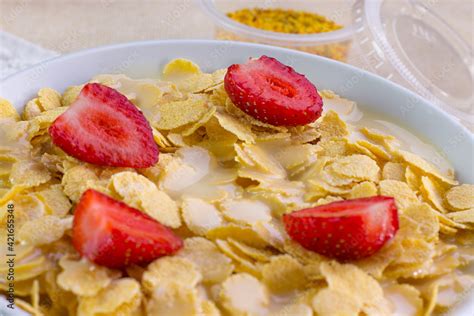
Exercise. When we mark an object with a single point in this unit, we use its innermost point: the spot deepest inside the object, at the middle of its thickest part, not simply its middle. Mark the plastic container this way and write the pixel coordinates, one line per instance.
(333, 44)
(406, 42)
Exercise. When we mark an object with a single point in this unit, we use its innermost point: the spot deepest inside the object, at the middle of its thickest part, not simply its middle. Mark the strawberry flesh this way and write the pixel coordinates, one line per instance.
(345, 230)
(103, 127)
(112, 234)
(272, 92)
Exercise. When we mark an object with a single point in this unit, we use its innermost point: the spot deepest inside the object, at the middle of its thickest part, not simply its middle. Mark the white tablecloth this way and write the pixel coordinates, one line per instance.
(17, 54)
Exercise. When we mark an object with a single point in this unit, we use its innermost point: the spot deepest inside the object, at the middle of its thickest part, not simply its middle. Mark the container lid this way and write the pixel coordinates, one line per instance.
(404, 40)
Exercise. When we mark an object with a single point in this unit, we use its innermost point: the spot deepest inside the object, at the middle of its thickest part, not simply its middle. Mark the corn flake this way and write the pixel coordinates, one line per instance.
(402, 193)
(176, 114)
(173, 300)
(148, 96)
(243, 263)
(317, 186)
(260, 159)
(200, 216)
(244, 234)
(331, 125)
(332, 147)
(243, 294)
(294, 309)
(70, 95)
(208, 308)
(49, 99)
(301, 254)
(447, 229)
(328, 199)
(192, 165)
(394, 171)
(374, 149)
(328, 302)
(256, 124)
(261, 255)
(189, 129)
(446, 222)
(167, 270)
(38, 126)
(272, 233)
(212, 264)
(412, 179)
(359, 167)
(22, 288)
(27, 208)
(356, 284)
(245, 211)
(284, 274)
(291, 156)
(180, 67)
(404, 299)
(419, 220)
(466, 216)
(376, 264)
(7, 110)
(416, 255)
(121, 297)
(433, 192)
(75, 181)
(28, 268)
(424, 166)
(55, 201)
(84, 278)
(137, 191)
(32, 109)
(359, 149)
(29, 173)
(375, 136)
(160, 139)
(44, 230)
(461, 197)
(235, 126)
(363, 189)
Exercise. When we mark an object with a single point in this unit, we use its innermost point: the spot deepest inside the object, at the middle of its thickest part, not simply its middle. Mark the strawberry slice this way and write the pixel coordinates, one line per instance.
(272, 92)
(103, 127)
(345, 230)
(112, 234)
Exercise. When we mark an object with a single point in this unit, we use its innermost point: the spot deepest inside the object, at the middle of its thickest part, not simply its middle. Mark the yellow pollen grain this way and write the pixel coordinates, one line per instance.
(284, 21)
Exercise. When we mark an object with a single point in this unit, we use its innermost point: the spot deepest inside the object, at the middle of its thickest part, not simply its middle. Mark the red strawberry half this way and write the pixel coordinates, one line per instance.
(272, 92)
(103, 127)
(112, 234)
(345, 230)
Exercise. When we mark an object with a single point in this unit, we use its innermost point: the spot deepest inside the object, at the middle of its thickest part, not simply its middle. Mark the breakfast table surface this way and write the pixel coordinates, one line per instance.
(70, 25)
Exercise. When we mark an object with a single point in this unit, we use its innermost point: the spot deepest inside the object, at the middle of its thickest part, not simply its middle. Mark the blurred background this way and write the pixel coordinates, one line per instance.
(424, 45)
(66, 25)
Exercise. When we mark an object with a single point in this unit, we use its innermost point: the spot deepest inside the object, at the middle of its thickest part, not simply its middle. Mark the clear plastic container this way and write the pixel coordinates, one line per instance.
(406, 42)
(335, 44)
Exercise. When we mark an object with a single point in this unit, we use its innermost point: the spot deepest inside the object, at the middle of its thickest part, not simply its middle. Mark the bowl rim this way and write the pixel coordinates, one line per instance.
(343, 34)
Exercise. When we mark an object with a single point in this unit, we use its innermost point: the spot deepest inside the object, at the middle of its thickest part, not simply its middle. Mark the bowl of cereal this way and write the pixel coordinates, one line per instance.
(208, 177)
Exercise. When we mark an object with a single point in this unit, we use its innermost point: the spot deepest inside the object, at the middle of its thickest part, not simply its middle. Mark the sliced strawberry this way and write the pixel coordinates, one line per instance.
(345, 230)
(112, 234)
(103, 127)
(272, 92)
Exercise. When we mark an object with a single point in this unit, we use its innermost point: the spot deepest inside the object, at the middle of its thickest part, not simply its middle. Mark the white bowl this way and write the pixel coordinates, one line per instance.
(373, 93)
